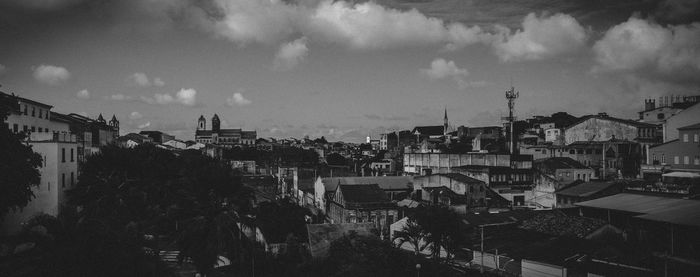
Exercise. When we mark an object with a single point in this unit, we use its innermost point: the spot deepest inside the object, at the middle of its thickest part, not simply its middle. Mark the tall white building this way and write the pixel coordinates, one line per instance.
(59, 169)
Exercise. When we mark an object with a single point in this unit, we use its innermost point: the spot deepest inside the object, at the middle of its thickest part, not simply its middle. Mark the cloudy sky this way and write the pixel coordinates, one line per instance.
(344, 69)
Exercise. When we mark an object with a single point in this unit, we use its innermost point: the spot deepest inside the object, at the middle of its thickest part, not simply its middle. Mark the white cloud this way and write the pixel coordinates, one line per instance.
(647, 48)
(140, 79)
(290, 54)
(238, 99)
(444, 69)
(540, 37)
(83, 94)
(185, 97)
(51, 74)
(158, 82)
(365, 25)
(145, 125)
(135, 115)
(119, 97)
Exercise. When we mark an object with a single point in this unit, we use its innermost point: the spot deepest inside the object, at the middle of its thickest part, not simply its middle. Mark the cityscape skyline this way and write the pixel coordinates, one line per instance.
(344, 70)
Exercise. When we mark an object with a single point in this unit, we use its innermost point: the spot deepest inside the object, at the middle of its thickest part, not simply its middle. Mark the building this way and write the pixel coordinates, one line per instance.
(383, 167)
(132, 140)
(666, 109)
(552, 135)
(222, 137)
(52, 140)
(683, 118)
(395, 187)
(678, 155)
(362, 203)
(569, 196)
(602, 127)
(552, 174)
(91, 134)
(158, 136)
(451, 189)
(176, 143)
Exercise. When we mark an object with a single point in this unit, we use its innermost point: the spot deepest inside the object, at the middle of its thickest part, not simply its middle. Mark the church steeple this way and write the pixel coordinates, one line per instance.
(215, 123)
(201, 123)
(445, 124)
(114, 122)
(101, 119)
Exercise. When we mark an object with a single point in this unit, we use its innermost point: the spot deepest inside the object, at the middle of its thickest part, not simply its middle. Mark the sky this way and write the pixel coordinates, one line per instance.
(345, 69)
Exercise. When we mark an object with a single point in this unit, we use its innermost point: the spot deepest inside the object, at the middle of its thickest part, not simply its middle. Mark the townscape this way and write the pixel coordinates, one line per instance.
(308, 138)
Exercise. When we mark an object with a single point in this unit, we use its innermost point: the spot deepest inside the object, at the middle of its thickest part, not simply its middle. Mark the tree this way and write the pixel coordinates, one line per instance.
(413, 234)
(18, 163)
(442, 228)
(279, 219)
(336, 159)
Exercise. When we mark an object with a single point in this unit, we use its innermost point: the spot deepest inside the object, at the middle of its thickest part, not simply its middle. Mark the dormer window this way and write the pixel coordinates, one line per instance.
(660, 116)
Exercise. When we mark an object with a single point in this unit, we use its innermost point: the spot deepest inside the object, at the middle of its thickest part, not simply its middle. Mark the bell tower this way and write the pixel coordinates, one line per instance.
(215, 124)
(201, 123)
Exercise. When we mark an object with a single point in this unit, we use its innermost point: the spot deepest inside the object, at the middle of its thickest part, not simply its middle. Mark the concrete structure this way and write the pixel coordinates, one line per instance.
(552, 134)
(683, 118)
(222, 137)
(362, 203)
(552, 174)
(459, 190)
(602, 127)
(678, 155)
(393, 186)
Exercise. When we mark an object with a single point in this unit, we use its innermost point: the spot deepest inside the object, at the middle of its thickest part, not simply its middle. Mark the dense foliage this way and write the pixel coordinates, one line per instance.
(18, 164)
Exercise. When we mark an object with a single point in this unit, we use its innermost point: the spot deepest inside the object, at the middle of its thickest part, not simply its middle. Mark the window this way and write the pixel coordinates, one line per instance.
(696, 160)
(25, 109)
(686, 160)
(33, 129)
(685, 137)
(660, 116)
(589, 151)
(63, 155)
(696, 138)
(572, 151)
(41, 113)
(15, 128)
(63, 180)
(676, 160)
(71, 155)
(663, 158)
(599, 151)
(579, 151)
(33, 112)
(71, 179)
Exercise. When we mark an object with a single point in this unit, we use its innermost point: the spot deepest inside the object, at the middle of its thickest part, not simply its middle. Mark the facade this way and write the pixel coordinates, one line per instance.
(132, 140)
(223, 137)
(683, 118)
(603, 128)
(552, 134)
(52, 140)
(177, 144)
(569, 196)
(393, 186)
(552, 174)
(682, 154)
(362, 203)
(450, 189)
(385, 166)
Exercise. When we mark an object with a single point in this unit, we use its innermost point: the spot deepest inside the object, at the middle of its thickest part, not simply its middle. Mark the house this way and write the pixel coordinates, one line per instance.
(158, 136)
(568, 196)
(132, 140)
(552, 134)
(552, 174)
(602, 127)
(176, 143)
(687, 116)
(362, 203)
(385, 166)
(451, 189)
(393, 186)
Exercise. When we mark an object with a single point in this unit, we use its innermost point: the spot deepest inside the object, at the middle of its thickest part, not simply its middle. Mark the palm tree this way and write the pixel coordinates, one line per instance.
(413, 234)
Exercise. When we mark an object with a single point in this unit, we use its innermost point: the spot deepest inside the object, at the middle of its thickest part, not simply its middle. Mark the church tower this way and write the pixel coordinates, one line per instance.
(101, 119)
(215, 124)
(201, 123)
(114, 123)
(445, 124)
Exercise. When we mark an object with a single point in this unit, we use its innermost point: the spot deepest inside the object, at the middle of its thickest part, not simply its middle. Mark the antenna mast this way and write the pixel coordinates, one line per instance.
(511, 95)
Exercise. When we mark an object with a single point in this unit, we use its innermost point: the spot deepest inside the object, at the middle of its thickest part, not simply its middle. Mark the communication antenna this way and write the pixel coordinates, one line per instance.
(511, 95)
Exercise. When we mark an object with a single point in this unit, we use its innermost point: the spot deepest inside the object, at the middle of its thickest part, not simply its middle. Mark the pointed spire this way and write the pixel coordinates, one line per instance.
(114, 117)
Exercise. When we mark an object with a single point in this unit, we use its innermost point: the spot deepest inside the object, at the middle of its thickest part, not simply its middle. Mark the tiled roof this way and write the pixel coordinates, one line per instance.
(455, 176)
(651, 207)
(363, 193)
(429, 130)
(560, 163)
(384, 182)
(586, 189)
(610, 118)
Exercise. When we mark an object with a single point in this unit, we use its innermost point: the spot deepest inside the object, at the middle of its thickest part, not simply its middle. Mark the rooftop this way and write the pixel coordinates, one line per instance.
(651, 207)
(586, 189)
(690, 127)
(560, 163)
(384, 182)
(429, 130)
(455, 176)
(363, 193)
